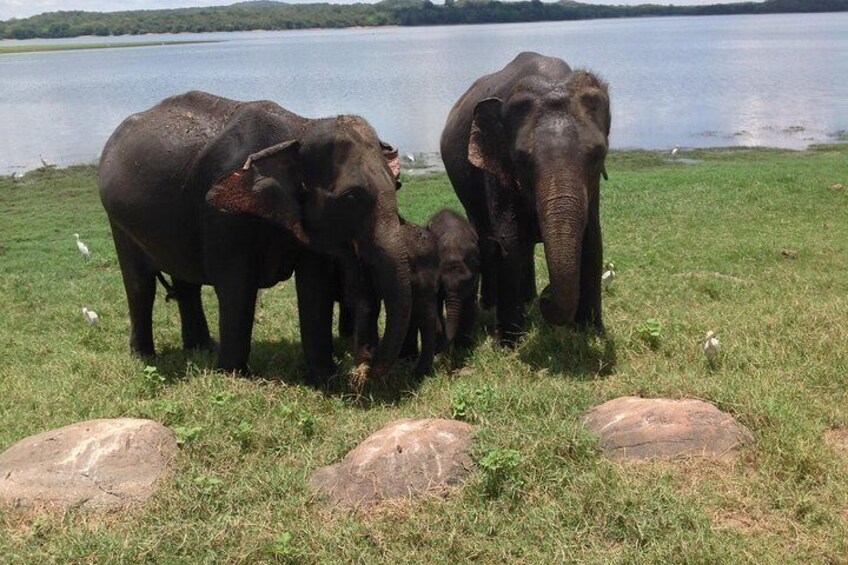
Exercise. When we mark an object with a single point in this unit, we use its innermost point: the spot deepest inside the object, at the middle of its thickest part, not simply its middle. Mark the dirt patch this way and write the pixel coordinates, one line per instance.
(837, 438)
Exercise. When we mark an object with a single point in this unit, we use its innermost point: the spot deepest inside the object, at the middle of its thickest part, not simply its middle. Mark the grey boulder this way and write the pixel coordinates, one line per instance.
(646, 428)
(404, 458)
(108, 464)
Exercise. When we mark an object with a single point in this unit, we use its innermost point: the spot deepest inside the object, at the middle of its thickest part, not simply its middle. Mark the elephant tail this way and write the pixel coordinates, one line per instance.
(170, 293)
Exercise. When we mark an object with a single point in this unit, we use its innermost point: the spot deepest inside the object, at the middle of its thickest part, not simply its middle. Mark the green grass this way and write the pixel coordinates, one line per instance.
(697, 247)
(8, 49)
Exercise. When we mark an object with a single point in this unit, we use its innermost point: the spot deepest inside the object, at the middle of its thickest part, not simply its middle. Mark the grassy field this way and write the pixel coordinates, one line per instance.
(750, 244)
(8, 49)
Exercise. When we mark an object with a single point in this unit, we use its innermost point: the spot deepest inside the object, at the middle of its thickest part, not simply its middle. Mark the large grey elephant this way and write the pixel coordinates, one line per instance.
(524, 148)
(239, 195)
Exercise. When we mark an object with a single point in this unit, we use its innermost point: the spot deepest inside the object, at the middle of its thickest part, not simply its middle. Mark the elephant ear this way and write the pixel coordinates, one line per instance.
(267, 186)
(390, 154)
(487, 146)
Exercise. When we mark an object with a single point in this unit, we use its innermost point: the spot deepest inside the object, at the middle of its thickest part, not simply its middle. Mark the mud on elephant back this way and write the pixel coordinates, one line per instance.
(241, 195)
(524, 148)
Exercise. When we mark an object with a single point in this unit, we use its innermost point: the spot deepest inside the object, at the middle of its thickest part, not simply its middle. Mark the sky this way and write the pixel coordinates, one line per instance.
(25, 8)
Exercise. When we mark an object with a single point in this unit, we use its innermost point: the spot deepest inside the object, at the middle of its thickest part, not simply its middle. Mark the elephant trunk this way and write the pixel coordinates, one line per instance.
(562, 207)
(390, 267)
(453, 310)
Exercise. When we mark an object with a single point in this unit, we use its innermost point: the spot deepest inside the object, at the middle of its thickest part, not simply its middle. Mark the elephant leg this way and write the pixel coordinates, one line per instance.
(514, 251)
(366, 315)
(529, 272)
(427, 326)
(591, 266)
(313, 279)
(347, 308)
(489, 259)
(195, 330)
(237, 307)
(467, 320)
(346, 319)
(410, 343)
(140, 285)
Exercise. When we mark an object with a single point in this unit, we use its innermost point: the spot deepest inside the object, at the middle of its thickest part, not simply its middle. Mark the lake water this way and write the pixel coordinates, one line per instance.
(779, 80)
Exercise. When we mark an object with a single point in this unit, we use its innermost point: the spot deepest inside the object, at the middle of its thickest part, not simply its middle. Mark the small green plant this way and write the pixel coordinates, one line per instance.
(501, 471)
(168, 411)
(222, 398)
(207, 485)
(243, 434)
(151, 379)
(281, 545)
(650, 331)
(469, 404)
(306, 424)
(187, 434)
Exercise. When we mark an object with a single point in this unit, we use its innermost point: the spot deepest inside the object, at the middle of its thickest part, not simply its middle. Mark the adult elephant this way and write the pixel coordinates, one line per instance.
(524, 148)
(171, 178)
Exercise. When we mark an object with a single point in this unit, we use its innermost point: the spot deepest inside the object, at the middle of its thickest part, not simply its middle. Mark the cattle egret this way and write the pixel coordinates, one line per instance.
(410, 157)
(609, 274)
(675, 150)
(711, 347)
(91, 316)
(17, 177)
(83, 248)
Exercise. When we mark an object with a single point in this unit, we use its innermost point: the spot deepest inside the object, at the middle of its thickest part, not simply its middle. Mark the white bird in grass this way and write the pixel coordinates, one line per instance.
(91, 316)
(17, 177)
(609, 274)
(712, 347)
(44, 162)
(83, 248)
(675, 150)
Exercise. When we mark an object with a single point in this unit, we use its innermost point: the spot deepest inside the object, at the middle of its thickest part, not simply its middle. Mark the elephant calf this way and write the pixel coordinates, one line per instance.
(423, 258)
(459, 277)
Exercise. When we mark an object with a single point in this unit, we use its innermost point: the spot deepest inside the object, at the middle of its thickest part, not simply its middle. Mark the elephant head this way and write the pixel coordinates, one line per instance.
(548, 140)
(333, 188)
(459, 277)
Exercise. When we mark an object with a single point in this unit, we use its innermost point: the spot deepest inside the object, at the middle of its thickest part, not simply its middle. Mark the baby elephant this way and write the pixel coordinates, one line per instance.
(423, 257)
(459, 275)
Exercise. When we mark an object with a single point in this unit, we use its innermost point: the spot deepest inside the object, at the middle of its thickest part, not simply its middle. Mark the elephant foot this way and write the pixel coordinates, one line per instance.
(145, 353)
(422, 371)
(208, 345)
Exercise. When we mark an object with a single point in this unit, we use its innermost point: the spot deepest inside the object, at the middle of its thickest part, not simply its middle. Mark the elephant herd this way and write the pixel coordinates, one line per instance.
(241, 195)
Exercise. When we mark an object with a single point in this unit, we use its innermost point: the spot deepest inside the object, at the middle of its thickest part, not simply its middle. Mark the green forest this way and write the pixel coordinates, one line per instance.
(269, 15)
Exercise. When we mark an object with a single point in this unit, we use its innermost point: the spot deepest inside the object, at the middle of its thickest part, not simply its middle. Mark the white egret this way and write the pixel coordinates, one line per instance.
(410, 157)
(675, 151)
(17, 177)
(91, 316)
(83, 248)
(609, 274)
(712, 347)
(44, 162)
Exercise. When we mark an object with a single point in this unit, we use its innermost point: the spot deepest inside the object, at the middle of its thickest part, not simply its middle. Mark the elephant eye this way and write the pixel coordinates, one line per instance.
(356, 196)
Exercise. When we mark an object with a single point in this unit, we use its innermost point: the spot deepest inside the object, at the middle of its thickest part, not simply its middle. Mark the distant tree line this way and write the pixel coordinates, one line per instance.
(269, 15)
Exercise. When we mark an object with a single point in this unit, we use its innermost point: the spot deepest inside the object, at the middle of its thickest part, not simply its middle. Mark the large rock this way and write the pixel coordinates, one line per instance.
(97, 464)
(404, 458)
(646, 428)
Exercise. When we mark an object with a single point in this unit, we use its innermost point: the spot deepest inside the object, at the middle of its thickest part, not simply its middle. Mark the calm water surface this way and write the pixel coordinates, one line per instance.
(777, 80)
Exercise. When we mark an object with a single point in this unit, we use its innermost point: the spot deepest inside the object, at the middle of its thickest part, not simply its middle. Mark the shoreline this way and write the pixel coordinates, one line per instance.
(42, 48)
(430, 163)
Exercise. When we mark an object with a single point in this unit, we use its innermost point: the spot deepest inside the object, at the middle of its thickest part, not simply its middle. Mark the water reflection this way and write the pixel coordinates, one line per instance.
(693, 82)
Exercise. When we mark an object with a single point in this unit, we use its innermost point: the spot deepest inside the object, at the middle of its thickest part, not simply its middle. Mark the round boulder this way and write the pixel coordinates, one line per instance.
(404, 458)
(646, 428)
(105, 464)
